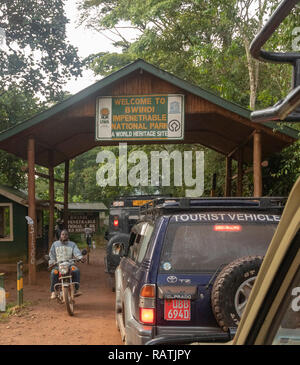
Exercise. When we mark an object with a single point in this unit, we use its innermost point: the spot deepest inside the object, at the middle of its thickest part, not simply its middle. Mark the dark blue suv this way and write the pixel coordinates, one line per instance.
(190, 266)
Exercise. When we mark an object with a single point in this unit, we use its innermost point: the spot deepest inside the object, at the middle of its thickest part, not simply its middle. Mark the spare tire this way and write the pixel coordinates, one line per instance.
(111, 260)
(232, 288)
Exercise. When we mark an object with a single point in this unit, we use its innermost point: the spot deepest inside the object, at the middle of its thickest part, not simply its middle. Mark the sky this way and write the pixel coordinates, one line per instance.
(87, 41)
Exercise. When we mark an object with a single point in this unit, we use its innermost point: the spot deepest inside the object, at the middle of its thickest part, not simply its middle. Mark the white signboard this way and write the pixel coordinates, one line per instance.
(141, 117)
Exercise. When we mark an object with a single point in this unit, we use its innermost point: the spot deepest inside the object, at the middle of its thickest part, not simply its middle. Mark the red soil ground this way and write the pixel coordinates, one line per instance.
(45, 322)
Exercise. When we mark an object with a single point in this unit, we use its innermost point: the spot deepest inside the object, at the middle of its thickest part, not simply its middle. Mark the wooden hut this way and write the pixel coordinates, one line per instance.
(14, 226)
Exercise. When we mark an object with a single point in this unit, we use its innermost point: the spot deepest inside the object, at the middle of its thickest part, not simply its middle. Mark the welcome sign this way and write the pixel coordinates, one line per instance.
(140, 117)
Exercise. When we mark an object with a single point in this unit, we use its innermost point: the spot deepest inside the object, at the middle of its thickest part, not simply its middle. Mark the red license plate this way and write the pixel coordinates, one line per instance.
(177, 310)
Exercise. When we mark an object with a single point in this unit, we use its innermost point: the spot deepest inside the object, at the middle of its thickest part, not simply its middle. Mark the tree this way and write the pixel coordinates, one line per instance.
(283, 169)
(205, 42)
(35, 56)
(84, 171)
(15, 107)
(35, 59)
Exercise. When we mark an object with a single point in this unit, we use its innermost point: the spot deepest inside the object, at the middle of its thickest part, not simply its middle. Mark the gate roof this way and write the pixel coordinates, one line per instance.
(68, 128)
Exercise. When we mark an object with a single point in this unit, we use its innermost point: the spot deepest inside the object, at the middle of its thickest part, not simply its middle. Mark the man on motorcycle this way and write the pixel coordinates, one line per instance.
(64, 250)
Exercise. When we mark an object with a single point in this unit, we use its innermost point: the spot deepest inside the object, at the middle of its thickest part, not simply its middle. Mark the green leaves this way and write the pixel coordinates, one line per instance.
(204, 42)
(10, 168)
(207, 43)
(37, 57)
(15, 107)
(106, 63)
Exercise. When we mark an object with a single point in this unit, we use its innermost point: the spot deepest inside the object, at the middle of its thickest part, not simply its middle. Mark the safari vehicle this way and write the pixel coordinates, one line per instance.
(190, 265)
(272, 313)
(123, 214)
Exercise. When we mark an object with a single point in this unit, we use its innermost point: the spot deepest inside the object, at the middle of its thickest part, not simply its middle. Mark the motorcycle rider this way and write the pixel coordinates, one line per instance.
(63, 250)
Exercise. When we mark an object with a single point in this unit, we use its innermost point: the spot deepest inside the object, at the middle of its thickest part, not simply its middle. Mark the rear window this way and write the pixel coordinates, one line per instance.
(193, 247)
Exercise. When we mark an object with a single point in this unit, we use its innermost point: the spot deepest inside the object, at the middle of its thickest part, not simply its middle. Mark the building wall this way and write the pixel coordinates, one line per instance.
(13, 251)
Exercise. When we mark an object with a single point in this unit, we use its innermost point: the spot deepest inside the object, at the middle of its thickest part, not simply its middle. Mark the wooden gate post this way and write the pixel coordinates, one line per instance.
(51, 206)
(66, 194)
(228, 176)
(239, 190)
(31, 212)
(257, 174)
(214, 185)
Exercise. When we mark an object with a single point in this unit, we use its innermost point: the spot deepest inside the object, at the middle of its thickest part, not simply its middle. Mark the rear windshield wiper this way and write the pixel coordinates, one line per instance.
(217, 271)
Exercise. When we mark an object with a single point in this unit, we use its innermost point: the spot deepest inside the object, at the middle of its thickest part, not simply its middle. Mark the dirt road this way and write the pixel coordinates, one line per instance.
(45, 322)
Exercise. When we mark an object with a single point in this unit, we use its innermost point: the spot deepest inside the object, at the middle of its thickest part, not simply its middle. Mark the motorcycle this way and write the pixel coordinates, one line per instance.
(65, 289)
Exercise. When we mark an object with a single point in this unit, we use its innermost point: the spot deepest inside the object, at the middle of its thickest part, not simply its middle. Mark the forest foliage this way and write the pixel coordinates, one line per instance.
(205, 42)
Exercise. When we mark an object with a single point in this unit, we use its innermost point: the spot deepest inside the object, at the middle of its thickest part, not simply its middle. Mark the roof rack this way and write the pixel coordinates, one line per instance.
(143, 196)
(169, 205)
(127, 200)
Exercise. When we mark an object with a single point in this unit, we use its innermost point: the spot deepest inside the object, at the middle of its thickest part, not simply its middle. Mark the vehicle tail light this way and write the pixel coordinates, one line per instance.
(116, 222)
(147, 315)
(147, 304)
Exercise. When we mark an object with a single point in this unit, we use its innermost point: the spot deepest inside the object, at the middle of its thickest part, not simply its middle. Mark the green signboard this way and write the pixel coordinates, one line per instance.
(141, 117)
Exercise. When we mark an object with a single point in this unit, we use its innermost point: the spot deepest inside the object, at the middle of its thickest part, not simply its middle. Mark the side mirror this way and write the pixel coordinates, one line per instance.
(84, 252)
(118, 249)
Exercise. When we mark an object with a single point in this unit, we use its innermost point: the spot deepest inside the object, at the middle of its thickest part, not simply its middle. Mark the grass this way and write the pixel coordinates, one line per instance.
(12, 309)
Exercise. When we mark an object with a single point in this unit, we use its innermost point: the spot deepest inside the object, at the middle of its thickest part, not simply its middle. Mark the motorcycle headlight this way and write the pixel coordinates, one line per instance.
(64, 269)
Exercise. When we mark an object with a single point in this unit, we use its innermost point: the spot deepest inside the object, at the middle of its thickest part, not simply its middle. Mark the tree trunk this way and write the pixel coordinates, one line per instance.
(253, 70)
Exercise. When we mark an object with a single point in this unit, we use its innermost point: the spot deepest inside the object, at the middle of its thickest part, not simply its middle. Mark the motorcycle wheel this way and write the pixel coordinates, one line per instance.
(69, 300)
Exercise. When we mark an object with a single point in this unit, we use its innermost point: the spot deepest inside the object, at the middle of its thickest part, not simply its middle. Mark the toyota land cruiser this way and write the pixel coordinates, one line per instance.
(190, 265)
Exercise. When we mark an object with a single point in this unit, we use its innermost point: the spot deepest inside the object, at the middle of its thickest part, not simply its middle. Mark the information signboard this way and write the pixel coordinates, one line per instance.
(140, 117)
(77, 223)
